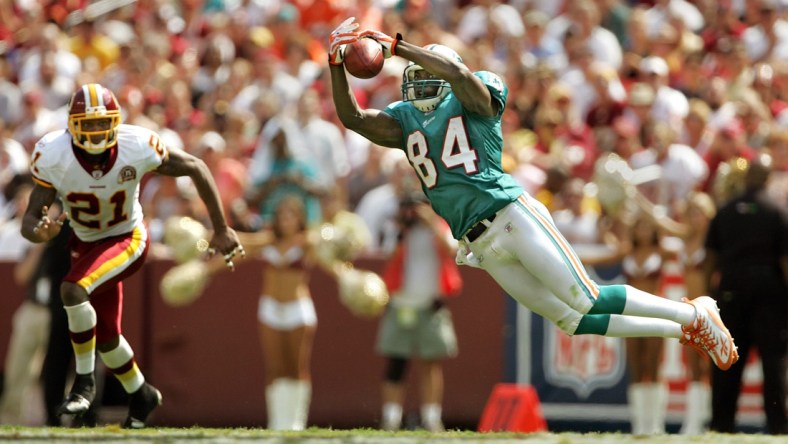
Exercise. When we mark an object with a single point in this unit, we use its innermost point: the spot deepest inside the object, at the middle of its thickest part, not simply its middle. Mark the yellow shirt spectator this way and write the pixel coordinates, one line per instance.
(87, 42)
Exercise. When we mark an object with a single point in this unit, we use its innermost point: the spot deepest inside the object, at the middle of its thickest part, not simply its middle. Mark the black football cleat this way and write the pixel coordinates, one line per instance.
(141, 404)
(82, 393)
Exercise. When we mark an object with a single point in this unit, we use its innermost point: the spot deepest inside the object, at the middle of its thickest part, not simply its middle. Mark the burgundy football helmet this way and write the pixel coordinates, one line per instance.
(89, 104)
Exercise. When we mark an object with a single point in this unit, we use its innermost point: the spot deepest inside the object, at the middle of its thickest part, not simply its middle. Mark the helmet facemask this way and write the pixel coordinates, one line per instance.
(94, 118)
(421, 87)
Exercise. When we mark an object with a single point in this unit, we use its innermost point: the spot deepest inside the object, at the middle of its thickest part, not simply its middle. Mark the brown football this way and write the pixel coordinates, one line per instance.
(364, 58)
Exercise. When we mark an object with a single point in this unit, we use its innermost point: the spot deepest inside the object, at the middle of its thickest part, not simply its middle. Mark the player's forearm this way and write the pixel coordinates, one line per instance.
(40, 198)
(437, 65)
(344, 101)
(370, 123)
(209, 193)
(28, 229)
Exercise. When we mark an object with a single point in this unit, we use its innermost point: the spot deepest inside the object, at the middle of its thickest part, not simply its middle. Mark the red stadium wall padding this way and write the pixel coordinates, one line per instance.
(11, 296)
(207, 361)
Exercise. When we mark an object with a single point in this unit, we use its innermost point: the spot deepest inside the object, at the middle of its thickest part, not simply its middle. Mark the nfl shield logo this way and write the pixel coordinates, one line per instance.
(582, 363)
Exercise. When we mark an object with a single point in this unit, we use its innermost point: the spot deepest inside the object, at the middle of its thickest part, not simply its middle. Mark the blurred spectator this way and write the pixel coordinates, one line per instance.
(729, 143)
(268, 77)
(615, 14)
(662, 11)
(540, 48)
(777, 187)
(692, 79)
(567, 140)
(610, 97)
(10, 92)
(370, 175)
(755, 119)
(30, 327)
(669, 105)
(626, 140)
(39, 119)
(323, 140)
(299, 61)
(748, 276)
(767, 40)
(214, 69)
(637, 113)
(379, 206)
(49, 44)
(14, 161)
(87, 42)
(733, 65)
(682, 169)
(55, 88)
(697, 133)
(602, 43)
(420, 275)
(549, 193)
(229, 174)
(287, 170)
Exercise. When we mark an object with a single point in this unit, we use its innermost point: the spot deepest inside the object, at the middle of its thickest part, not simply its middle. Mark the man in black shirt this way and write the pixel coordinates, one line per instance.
(747, 270)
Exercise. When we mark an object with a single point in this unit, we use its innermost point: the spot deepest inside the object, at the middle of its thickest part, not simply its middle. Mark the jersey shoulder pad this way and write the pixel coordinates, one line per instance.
(495, 84)
(134, 132)
(50, 149)
(395, 107)
(143, 140)
(50, 154)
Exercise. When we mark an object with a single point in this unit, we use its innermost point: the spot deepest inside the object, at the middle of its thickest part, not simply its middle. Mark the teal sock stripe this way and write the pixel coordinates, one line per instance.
(593, 324)
(550, 236)
(611, 300)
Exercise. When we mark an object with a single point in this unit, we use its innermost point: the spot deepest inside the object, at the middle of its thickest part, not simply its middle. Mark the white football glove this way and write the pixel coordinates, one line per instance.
(343, 35)
(388, 42)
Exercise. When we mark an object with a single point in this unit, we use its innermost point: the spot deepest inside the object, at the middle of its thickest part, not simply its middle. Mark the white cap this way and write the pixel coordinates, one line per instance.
(213, 141)
(654, 65)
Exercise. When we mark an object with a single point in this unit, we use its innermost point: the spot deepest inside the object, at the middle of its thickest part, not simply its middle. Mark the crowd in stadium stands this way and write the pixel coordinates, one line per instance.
(698, 87)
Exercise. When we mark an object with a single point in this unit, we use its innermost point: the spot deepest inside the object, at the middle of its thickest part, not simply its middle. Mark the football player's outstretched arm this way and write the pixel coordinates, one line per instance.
(373, 124)
(36, 224)
(469, 89)
(180, 163)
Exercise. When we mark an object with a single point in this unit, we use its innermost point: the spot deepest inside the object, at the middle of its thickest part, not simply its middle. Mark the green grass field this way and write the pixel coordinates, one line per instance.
(113, 434)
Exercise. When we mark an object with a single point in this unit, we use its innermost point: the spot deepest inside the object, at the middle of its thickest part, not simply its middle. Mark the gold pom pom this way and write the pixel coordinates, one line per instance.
(184, 283)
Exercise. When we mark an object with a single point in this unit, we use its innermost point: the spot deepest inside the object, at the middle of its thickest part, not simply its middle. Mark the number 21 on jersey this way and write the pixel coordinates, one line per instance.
(456, 152)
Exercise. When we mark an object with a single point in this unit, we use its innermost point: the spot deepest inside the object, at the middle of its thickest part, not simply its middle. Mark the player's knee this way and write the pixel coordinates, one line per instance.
(72, 294)
(569, 324)
(106, 345)
(395, 370)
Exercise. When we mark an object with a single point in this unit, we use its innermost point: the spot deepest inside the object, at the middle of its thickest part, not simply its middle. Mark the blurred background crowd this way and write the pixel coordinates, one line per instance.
(686, 85)
(696, 87)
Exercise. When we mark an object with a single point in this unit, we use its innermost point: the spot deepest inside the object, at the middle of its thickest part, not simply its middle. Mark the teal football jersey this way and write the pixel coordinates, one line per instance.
(457, 156)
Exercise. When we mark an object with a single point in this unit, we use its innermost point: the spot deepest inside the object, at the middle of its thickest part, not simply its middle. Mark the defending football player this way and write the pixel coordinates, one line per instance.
(449, 125)
(96, 166)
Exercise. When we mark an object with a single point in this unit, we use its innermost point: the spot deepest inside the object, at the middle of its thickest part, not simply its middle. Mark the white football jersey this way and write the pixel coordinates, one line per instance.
(101, 202)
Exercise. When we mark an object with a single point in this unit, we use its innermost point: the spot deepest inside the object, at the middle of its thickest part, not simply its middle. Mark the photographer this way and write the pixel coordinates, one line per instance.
(420, 274)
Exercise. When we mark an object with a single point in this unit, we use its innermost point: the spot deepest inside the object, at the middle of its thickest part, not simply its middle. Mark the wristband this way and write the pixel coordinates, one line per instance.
(397, 39)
